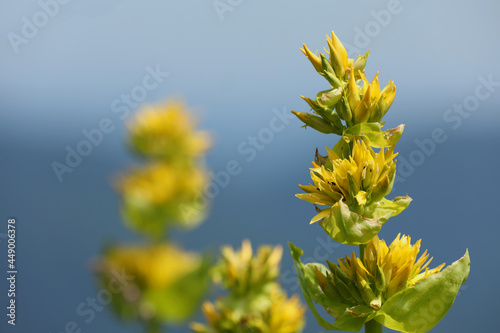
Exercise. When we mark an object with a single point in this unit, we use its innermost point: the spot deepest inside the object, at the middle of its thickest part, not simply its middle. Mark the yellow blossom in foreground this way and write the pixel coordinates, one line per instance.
(382, 272)
(361, 179)
(168, 132)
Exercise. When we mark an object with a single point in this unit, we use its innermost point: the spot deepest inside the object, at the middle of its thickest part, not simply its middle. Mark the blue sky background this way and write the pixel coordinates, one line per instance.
(239, 69)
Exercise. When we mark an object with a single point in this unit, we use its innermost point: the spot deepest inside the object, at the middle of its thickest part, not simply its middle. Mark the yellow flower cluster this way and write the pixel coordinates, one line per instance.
(168, 132)
(381, 273)
(154, 277)
(368, 103)
(360, 179)
(285, 315)
(160, 184)
(386, 285)
(351, 96)
(156, 267)
(168, 190)
(164, 283)
(255, 303)
(242, 272)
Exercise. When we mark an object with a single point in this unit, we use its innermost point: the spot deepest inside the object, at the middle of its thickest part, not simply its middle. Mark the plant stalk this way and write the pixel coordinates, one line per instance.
(153, 326)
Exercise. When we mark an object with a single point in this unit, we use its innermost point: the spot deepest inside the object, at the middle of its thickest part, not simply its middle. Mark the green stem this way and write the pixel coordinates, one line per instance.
(153, 326)
(373, 327)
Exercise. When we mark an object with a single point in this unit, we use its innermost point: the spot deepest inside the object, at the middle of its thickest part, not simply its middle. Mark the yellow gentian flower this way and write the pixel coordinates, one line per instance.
(168, 132)
(386, 270)
(363, 178)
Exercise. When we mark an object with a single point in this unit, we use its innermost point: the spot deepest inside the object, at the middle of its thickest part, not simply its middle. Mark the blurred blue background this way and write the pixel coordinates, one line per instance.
(240, 67)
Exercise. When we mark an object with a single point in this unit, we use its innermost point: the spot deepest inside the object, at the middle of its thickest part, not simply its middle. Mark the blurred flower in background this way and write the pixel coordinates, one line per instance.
(255, 301)
(168, 132)
(166, 283)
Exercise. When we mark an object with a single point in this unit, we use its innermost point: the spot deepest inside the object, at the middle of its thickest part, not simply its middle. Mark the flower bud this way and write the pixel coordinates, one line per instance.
(344, 110)
(315, 122)
(328, 98)
(360, 63)
(314, 59)
(338, 55)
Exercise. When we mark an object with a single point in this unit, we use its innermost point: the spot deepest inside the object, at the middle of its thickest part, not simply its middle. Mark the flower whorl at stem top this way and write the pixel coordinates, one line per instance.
(351, 98)
(363, 178)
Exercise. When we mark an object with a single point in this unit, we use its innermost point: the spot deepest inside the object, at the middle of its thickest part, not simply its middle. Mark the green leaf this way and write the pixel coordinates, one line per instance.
(419, 308)
(350, 228)
(349, 318)
(318, 123)
(307, 284)
(373, 134)
(384, 209)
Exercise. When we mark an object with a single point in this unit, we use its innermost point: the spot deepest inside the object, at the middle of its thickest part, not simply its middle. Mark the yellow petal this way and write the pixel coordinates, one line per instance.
(361, 197)
(313, 58)
(320, 216)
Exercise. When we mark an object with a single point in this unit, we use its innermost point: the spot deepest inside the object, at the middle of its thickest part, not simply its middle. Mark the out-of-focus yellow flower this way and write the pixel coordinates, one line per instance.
(162, 194)
(158, 281)
(363, 178)
(155, 267)
(242, 272)
(255, 302)
(286, 314)
(161, 183)
(168, 132)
